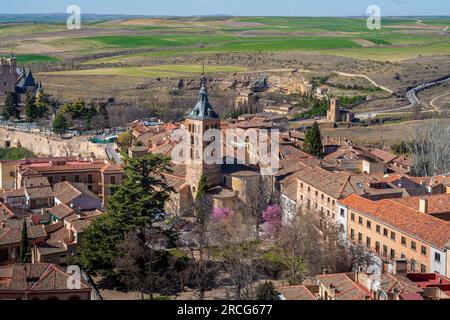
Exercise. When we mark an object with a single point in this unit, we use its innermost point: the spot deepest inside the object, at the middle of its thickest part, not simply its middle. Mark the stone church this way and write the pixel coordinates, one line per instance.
(228, 184)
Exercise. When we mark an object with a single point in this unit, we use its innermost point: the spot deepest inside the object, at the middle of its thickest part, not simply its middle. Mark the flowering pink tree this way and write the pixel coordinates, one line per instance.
(272, 218)
(221, 213)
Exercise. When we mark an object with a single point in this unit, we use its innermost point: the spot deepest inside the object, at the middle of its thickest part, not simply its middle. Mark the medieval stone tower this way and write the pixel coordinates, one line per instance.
(8, 76)
(334, 114)
(201, 119)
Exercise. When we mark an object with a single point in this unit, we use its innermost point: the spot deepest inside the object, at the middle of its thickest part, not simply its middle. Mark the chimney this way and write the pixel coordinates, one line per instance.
(423, 205)
(401, 266)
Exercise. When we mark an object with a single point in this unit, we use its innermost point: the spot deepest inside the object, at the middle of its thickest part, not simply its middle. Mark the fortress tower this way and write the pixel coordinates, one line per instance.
(334, 114)
(8, 76)
(201, 119)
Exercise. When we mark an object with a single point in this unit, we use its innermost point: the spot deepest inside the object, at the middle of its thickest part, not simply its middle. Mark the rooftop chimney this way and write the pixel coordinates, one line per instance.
(401, 266)
(423, 205)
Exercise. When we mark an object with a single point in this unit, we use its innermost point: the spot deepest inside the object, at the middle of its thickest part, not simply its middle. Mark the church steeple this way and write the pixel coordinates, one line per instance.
(203, 109)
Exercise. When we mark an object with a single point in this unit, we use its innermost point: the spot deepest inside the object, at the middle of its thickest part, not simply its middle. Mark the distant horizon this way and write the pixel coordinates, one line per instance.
(220, 15)
(235, 8)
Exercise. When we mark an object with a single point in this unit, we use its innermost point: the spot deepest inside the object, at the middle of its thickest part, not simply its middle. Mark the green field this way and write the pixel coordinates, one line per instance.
(401, 38)
(28, 58)
(151, 71)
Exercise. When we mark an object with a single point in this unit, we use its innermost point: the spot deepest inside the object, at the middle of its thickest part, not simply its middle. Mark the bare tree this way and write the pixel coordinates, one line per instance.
(309, 243)
(258, 196)
(430, 148)
(237, 252)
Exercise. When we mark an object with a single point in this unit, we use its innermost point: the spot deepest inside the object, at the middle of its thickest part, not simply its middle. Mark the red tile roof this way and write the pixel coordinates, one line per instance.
(423, 226)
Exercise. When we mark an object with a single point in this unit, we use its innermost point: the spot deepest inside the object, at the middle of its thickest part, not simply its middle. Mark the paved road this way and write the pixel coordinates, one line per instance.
(412, 98)
(112, 154)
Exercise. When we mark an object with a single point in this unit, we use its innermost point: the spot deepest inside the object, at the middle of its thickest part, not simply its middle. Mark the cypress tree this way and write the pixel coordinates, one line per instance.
(24, 245)
(30, 108)
(313, 141)
(11, 109)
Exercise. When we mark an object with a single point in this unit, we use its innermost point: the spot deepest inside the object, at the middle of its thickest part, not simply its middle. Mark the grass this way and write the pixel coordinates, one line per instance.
(151, 71)
(15, 153)
(168, 37)
(29, 58)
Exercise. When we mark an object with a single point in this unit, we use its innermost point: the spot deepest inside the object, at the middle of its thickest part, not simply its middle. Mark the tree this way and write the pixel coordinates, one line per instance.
(42, 103)
(90, 114)
(60, 124)
(200, 262)
(313, 141)
(259, 195)
(103, 114)
(31, 112)
(430, 148)
(11, 109)
(237, 251)
(125, 140)
(24, 249)
(134, 207)
(266, 292)
(272, 217)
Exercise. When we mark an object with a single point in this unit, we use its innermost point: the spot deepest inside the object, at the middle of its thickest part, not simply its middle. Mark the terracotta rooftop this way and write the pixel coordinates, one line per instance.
(422, 226)
(436, 204)
(346, 288)
(68, 191)
(383, 155)
(34, 277)
(61, 211)
(296, 293)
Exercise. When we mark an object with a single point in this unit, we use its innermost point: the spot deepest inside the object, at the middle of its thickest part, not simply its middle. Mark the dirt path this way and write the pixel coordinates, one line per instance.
(435, 107)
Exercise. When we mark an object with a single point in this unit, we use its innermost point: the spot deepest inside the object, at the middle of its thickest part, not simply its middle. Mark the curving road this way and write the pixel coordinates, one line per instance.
(411, 95)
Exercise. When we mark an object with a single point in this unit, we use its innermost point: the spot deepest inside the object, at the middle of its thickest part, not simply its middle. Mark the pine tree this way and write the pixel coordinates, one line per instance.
(42, 103)
(133, 207)
(89, 115)
(31, 113)
(24, 245)
(60, 124)
(11, 109)
(313, 141)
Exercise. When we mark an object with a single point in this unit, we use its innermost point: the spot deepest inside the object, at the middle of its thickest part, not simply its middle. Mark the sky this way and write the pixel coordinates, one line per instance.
(235, 7)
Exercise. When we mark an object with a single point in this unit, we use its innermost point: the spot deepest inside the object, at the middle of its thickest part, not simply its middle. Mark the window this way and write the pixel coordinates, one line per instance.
(385, 250)
(342, 212)
(413, 245)
(423, 268)
(393, 236)
(413, 265)
(377, 247)
(369, 224)
(50, 180)
(424, 250)
(360, 220)
(113, 180)
(90, 178)
(404, 241)
(378, 229)
(360, 237)
(368, 242)
(437, 257)
(353, 217)
(385, 232)
(317, 193)
(403, 256)
(352, 234)
(392, 254)
(77, 178)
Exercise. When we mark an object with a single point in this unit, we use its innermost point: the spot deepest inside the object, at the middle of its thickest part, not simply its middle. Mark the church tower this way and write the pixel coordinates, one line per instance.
(201, 119)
